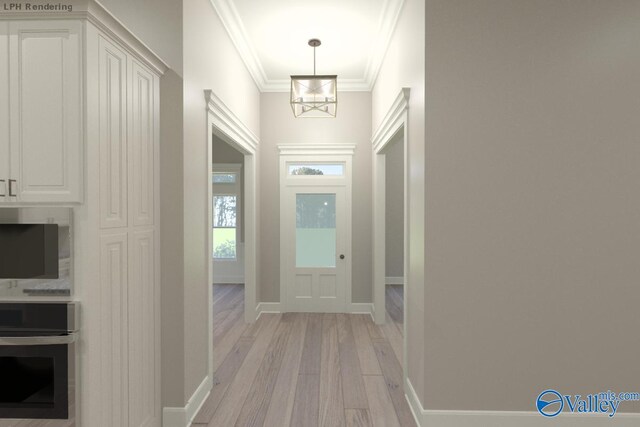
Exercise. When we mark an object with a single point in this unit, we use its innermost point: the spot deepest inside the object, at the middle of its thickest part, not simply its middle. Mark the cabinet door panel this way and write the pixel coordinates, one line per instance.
(45, 107)
(141, 145)
(143, 328)
(114, 284)
(113, 135)
(4, 110)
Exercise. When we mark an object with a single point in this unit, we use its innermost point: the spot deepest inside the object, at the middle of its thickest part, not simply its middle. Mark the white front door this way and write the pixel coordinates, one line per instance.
(315, 250)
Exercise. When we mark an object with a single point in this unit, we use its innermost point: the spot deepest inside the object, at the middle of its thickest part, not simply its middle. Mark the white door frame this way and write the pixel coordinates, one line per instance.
(316, 153)
(222, 122)
(396, 120)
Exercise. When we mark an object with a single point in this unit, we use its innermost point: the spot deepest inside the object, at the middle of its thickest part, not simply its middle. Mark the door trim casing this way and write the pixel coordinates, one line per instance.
(227, 126)
(317, 153)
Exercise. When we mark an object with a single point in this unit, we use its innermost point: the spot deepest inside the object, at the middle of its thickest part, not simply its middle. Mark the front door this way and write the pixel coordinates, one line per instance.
(316, 249)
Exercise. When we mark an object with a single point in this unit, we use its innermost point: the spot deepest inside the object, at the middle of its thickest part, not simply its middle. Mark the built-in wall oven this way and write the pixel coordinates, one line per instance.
(38, 364)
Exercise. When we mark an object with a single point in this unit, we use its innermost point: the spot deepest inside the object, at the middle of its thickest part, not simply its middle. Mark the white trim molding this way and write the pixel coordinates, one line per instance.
(228, 123)
(222, 122)
(316, 149)
(268, 307)
(387, 23)
(436, 418)
(183, 417)
(96, 13)
(392, 120)
(390, 280)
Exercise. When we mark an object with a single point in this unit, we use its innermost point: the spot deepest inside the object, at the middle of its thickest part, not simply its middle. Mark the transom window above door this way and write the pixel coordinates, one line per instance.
(315, 169)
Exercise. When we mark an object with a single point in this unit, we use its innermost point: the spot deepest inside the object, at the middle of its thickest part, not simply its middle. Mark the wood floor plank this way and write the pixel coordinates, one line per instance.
(310, 363)
(231, 405)
(392, 372)
(358, 418)
(306, 404)
(224, 343)
(367, 355)
(353, 390)
(219, 291)
(222, 309)
(394, 310)
(382, 410)
(283, 396)
(375, 332)
(394, 337)
(255, 407)
(222, 378)
(331, 396)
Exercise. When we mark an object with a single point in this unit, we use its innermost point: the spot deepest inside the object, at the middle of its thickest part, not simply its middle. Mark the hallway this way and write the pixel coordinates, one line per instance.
(302, 369)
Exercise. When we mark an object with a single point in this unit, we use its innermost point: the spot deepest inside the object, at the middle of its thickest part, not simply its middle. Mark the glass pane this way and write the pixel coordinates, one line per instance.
(224, 178)
(315, 230)
(224, 211)
(336, 169)
(224, 243)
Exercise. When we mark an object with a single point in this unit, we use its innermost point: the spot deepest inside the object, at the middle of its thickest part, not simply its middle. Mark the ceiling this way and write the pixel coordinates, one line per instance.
(271, 37)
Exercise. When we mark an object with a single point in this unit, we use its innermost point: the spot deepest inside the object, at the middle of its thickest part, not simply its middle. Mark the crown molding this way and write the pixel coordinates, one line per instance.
(95, 13)
(232, 22)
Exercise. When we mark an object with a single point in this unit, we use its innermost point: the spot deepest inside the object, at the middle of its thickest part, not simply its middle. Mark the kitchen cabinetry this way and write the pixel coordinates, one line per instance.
(79, 125)
(4, 110)
(42, 112)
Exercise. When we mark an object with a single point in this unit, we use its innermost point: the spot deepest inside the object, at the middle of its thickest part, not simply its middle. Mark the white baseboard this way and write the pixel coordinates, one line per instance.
(222, 280)
(394, 280)
(433, 418)
(275, 307)
(362, 308)
(267, 307)
(182, 417)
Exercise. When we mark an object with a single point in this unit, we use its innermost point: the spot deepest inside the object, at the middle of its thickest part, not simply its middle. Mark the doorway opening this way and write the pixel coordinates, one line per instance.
(227, 185)
(394, 281)
(232, 236)
(392, 284)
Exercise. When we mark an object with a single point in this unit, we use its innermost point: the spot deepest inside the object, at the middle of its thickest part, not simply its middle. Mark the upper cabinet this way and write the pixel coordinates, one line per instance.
(44, 112)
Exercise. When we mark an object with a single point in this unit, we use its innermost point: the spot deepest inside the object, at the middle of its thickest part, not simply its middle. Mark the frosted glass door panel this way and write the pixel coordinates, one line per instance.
(315, 230)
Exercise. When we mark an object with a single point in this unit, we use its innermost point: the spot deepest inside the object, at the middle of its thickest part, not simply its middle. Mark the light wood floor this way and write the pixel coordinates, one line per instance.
(305, 370)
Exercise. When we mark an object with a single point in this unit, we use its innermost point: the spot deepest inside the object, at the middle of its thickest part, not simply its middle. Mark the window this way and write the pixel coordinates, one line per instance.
(224, 178)
(329, 169)
(225, 181)
(224, 226)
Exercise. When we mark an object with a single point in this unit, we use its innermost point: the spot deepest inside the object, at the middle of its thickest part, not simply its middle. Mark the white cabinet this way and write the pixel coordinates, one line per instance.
(123, 94)
(44, 112)
(4, 111)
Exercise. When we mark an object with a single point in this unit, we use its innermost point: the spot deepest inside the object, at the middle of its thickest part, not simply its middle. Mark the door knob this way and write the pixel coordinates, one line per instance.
(341, 256)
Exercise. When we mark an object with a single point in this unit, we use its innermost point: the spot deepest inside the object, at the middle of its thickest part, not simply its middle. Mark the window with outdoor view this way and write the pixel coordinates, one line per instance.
(224, 226)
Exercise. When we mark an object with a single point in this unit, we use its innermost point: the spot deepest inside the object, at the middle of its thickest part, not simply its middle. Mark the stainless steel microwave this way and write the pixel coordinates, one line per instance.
(35, 252)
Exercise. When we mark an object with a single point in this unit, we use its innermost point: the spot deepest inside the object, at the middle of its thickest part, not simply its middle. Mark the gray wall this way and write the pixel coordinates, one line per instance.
(533, 213)
(404, 67)
(210, 62)
(394, 211)
(158, 23)
(171, 238)
(351, 126)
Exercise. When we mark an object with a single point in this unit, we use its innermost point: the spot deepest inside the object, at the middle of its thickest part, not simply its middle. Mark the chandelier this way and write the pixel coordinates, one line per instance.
(314, 96)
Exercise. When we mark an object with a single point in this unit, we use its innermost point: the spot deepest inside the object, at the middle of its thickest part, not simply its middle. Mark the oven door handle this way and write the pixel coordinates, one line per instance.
(46, 340)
